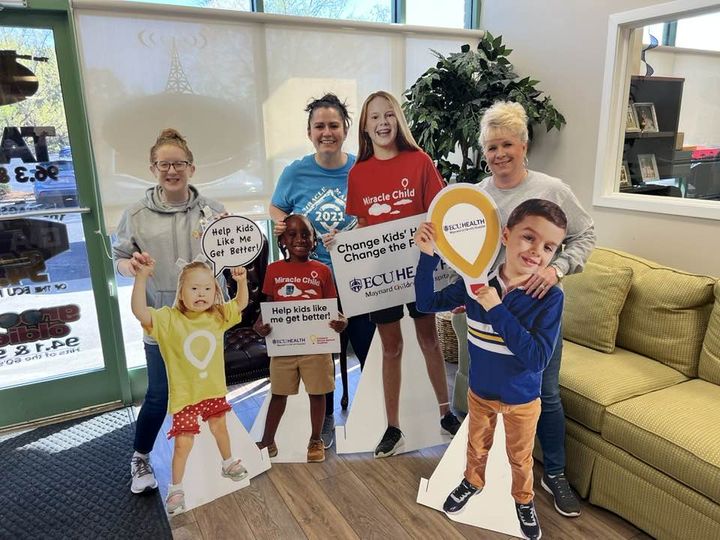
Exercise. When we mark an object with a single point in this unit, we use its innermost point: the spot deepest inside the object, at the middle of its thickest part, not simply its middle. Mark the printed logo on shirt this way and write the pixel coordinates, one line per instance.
(327, 210)
(298, 287)
(386, 203)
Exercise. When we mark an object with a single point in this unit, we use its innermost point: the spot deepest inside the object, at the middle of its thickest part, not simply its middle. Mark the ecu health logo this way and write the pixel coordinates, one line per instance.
(356, 285)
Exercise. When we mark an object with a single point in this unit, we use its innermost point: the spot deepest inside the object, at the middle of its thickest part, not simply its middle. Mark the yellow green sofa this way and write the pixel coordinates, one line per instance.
(640, 384)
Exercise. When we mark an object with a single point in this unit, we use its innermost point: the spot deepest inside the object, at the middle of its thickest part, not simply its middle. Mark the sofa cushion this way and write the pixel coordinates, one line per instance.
(594, 299)
(666, 311)
(591, 380)
(676, 430)
(709, 368)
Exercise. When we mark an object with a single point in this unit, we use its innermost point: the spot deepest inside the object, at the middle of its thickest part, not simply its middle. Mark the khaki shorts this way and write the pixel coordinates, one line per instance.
(317, 372)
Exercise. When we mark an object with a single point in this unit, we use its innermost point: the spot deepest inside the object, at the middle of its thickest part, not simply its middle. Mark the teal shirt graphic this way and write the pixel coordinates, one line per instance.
(320, 194)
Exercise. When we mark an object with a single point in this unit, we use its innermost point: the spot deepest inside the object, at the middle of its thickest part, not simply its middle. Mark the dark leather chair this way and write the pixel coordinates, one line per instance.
(246, 356)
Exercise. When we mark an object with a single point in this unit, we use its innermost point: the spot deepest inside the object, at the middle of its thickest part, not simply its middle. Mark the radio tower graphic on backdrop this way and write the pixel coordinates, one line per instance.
(177, 81)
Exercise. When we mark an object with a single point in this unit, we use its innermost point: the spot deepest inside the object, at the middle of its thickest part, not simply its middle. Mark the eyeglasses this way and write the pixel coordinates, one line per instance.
(164, 166)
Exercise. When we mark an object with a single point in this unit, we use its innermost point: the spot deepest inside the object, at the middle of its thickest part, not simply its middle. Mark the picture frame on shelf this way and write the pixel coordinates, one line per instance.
(625, 175)
(631, 124)
(648, 167)
(646, 117)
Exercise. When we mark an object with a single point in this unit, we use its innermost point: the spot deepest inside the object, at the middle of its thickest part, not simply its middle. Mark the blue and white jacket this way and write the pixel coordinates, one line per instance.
(510, 345)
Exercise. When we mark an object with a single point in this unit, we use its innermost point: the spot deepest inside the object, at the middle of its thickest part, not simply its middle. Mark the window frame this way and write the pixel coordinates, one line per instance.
(616, 86)
(398, 9)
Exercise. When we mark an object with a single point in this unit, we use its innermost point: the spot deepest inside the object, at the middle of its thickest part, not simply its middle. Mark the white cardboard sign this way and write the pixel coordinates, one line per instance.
(467, 231)
(301, 327)
(493, 508)
(375, 266)
(232, 241)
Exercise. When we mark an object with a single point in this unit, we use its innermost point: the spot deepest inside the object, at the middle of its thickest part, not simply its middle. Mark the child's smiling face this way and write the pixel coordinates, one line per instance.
(298, 238)
(530, 245)
(198, 290)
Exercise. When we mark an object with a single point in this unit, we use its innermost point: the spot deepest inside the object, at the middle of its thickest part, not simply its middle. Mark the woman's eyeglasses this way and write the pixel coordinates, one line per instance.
(164, 166)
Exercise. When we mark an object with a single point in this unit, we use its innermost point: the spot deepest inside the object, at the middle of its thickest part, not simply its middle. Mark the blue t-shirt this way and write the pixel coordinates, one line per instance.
(320, 194)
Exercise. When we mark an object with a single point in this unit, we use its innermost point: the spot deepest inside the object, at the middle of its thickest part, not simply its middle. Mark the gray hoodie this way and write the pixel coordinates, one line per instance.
(166, 232)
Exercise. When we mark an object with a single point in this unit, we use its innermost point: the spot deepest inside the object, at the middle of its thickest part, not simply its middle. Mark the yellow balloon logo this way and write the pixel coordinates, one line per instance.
(467, 231)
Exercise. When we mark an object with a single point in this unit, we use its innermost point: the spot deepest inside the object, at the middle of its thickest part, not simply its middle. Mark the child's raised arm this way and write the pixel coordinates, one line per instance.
(425, 238)
(138, 300)
(239, 274)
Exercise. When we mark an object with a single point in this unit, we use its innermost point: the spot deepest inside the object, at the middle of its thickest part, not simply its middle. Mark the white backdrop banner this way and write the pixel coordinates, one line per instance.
(375, 266)
(236, 85)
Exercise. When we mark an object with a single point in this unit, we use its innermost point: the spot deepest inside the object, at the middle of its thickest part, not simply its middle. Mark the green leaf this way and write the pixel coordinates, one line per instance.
(445, 105)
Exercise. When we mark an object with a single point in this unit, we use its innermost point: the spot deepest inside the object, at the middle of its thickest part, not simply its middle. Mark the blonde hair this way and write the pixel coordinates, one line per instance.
(171, 137)
(504, 116)
(403, 139)
(217, 309)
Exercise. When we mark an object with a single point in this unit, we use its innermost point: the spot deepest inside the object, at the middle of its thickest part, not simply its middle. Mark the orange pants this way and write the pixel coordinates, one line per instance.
(520, 422)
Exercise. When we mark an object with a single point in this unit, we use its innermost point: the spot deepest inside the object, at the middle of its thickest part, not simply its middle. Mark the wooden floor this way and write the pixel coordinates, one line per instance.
(356, 496)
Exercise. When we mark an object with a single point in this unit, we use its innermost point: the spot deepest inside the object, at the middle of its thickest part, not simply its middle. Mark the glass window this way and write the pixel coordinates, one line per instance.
(238, 5)
(656, 30)
(450, 13)
(699, 32)
(356, 10)
(48, 320)
(671, 141)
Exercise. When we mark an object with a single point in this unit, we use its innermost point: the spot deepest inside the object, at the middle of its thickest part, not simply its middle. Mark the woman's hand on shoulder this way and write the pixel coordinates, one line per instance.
(539, 284)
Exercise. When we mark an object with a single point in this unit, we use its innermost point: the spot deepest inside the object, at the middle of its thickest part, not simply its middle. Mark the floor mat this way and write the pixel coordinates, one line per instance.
(72, 480)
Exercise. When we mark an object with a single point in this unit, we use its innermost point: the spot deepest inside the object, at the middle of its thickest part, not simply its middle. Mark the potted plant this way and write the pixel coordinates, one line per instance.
(445, 105)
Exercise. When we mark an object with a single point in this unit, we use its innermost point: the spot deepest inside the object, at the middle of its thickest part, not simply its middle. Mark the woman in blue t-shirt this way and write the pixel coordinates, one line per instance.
(316, 186)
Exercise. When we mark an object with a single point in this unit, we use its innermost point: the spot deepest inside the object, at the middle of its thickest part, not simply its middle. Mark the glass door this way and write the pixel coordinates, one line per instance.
(58, 350)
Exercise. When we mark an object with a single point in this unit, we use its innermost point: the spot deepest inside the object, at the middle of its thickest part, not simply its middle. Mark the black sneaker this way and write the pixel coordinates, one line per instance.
(566, 502)
(450, 423)
(392, 441)
(459, 497)
(529, 524)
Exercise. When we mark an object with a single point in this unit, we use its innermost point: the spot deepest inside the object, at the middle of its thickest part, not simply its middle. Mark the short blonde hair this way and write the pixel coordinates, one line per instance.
(504, 116)
(404, 138)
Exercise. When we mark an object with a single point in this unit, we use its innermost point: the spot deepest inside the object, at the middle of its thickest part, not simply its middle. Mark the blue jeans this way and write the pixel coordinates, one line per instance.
(551, 426)
(154, 408)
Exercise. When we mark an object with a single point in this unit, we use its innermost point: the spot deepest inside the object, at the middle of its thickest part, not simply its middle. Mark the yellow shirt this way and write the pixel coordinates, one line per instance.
(192, 347)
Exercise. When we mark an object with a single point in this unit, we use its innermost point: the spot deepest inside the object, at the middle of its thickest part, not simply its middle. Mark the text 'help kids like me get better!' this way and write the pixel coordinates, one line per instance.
(232, 241)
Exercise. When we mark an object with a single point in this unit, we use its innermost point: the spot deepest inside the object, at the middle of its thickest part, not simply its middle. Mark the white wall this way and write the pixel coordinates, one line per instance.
(562, 44)
(700, 111)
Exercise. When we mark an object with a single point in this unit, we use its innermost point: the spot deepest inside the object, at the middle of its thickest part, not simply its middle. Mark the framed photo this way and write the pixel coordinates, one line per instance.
(625, 175)
(648, 167)
(631, 124)
(646, 118)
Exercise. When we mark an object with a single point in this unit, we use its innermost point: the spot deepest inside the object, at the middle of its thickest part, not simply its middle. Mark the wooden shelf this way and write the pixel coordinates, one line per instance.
(648, 134)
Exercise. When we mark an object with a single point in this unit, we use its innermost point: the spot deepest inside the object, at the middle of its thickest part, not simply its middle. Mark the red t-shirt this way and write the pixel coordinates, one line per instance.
(311, 280)
(385, 190)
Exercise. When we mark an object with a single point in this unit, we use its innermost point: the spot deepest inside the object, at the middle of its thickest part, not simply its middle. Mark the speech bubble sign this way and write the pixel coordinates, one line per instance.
(467, 232)
(232, 241)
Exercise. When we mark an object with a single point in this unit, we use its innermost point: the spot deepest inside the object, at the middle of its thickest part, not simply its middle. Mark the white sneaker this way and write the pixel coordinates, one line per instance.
(143, 478)
(175, 502)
